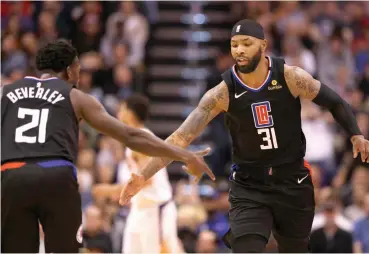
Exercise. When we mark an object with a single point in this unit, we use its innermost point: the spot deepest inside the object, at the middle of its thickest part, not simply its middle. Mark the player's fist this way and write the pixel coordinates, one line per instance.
(360, 145)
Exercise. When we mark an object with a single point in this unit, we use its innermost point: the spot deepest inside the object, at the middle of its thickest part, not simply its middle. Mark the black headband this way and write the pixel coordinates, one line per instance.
(248, 27)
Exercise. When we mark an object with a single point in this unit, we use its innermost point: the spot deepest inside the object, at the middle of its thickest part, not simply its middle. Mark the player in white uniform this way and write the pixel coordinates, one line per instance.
(152, 222)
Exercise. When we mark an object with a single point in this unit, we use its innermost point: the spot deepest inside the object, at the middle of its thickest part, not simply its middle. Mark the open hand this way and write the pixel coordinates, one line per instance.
(197, 167)
(360, 145)
(133, 186)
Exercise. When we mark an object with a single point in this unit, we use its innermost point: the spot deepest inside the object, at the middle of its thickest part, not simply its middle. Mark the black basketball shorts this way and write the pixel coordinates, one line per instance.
(280, 200)
(45, 193)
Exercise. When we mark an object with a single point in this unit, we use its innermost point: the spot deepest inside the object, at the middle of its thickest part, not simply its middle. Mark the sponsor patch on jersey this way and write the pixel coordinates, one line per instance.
(274, 85)
(261, 111)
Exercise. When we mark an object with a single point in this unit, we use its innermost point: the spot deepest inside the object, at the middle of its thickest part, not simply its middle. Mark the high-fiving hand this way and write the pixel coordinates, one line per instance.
(360, 145)
(195, 166)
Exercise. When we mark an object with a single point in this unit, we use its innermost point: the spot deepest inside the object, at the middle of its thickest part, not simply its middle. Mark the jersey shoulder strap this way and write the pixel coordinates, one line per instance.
(227, 76)
(279, 63)
(278, 69)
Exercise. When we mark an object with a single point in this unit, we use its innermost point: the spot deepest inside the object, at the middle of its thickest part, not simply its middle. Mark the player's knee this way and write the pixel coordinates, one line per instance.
(249, 244)
(292, 245)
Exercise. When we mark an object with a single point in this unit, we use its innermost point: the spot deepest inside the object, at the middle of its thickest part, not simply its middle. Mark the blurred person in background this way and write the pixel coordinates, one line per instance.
(364, 82)
(85, 174)
(360, 178)
(330, 238)
(95, 238)
(22, 10)
(30, 45)
(47, 31)
(213, 200)
(316, 128)
(13, 58)
(355, 211)
(295, 54)
(88, 36)
(206, 242)
(134, 28)
(335, 62)
(153, 209)
(329, 195)
(361, 230)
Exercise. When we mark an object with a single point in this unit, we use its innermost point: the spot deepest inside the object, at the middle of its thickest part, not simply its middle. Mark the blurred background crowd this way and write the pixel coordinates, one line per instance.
(330, 40)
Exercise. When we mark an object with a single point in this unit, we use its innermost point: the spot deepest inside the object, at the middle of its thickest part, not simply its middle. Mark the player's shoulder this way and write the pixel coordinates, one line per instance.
(293, 73)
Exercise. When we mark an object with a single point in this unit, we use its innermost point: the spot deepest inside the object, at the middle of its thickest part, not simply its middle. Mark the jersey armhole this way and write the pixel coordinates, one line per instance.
(280, 68)
(72, 106)
(228, 80)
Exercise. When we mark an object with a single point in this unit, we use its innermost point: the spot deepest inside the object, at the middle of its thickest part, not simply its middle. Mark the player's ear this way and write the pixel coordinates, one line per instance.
(264, 45)
(69, 72)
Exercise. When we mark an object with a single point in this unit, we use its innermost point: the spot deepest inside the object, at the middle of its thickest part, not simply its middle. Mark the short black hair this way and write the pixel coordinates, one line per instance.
(56, 56)
(139, 104)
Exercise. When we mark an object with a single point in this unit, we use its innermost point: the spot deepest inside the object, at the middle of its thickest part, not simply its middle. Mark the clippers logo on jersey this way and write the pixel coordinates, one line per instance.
(260, 111)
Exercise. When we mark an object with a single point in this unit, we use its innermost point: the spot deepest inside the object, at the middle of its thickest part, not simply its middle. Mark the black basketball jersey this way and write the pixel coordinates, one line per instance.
(264, 123)
(38, 120)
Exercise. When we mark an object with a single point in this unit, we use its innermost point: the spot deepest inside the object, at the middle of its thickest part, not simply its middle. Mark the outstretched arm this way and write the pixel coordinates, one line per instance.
(304, 85)
(212, 103)
(89, 109)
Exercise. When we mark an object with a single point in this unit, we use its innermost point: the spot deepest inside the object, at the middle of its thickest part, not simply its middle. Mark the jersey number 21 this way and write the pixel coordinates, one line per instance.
(39, 119)
(263, 123)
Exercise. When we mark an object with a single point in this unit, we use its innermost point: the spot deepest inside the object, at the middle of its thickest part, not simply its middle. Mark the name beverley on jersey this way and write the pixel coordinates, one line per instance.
(36, 93)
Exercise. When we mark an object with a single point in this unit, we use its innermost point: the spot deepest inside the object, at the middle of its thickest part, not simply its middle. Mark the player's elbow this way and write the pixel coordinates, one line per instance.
(328, 99)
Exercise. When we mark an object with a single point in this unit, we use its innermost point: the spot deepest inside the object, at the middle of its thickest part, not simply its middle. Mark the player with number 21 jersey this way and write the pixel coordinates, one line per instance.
(43, 112)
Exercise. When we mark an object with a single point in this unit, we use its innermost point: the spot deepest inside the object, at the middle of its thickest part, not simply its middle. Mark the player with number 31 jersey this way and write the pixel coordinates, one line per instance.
(265, 123)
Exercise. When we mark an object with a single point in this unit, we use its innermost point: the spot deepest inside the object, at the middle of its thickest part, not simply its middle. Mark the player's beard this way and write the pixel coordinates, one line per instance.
(253, 64)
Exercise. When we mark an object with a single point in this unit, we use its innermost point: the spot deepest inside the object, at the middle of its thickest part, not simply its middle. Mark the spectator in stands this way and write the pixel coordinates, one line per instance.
(361, 230)
(22, 10)
(13, 58)
(295, 54)
(355, 211)
(87, 38)
(360, 178)
(330, 238)
(30, 45)
(335, 62)
(316, 128)
(85, 173)
(206, 242)
(364, 82)
(47, 31)
(320, 217)
(95, 239)
(135, 30)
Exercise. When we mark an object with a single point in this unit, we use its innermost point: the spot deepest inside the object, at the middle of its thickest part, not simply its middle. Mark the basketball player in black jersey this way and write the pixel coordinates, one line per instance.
(39, 141)
(271, 188)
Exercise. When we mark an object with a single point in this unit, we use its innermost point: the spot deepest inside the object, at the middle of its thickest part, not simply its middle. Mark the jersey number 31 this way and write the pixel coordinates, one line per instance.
(269, 137)
(39, 119)
(264, 122)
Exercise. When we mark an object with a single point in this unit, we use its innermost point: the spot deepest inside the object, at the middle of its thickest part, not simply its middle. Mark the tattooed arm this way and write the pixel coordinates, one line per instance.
(212, 103)
(302, 84)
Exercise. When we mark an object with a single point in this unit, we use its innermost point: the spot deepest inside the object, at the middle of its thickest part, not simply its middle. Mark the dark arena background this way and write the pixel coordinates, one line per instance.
(173, 52)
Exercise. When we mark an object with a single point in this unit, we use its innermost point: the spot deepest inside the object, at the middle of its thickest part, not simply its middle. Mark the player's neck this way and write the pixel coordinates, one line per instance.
(50, 74)
(257, 77)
